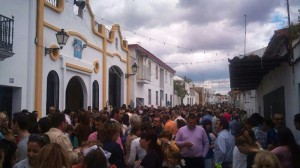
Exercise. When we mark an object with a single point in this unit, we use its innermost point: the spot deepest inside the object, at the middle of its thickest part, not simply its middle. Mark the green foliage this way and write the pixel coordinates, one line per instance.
(180, 89)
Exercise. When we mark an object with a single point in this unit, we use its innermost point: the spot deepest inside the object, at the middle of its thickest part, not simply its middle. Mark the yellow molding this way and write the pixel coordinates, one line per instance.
(118, 55)
(128, 79)
(78, 35)
(39, 59)
(50, 26)
(73, 33)
(80, 68)
(55, 54)
(96, 66)
(60, 6)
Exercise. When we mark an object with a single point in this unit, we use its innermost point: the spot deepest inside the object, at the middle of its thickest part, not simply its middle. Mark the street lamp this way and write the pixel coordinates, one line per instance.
(134, 68)
(62, 38)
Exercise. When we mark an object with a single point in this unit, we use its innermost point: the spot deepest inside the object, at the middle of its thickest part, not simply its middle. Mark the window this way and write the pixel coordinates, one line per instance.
(188, 100)
(149, 69)
(156, 97)
(171, 100)
(156, 72)
(166, 77)
(166, 99)
(149, 96)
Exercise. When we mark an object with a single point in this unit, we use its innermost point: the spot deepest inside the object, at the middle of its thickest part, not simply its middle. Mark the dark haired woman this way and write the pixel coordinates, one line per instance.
(287, 151)
(153, 158)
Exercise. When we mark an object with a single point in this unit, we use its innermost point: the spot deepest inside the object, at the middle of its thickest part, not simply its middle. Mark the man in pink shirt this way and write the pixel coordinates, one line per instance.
(193, 143)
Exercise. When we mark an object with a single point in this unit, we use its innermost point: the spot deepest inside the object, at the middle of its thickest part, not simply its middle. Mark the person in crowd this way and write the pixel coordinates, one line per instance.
(5, 131)
(137, 153)
(235, 126)
(193, 143)
(207, 115)
(277, 119)
(9, 153)
(75, 120)
(57, 135)
(35, 144)
(169, 125)
(108, 136)
(94, 157)
(99, 121)
(52, 155)
(20, 125)
(256, 123)
(287, 151)
(83, 130)
(125, 126)
(247, 146)
(180, 123)
(224, 144)
(176, 116)
(134, 119)
(70, 132)
(297, 121)
(157, 124)
(297, 125)
(68, 115)
(92, 122)
(266, 159)
(44, 125)
(134, 134)
(51, 111)
(168, 146)
(239, 158)
(207, 125)
(153, 158)
(116, 115)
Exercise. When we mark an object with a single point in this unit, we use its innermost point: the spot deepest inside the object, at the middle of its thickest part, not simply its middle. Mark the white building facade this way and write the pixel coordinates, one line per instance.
(153, 82)
(88, 71)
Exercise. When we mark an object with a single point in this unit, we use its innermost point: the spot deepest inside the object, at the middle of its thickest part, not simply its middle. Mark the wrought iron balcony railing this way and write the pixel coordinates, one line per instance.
(6, 37)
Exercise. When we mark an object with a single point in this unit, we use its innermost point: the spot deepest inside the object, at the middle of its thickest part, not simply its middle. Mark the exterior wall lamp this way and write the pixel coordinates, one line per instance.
(62, 38)
(134, 68)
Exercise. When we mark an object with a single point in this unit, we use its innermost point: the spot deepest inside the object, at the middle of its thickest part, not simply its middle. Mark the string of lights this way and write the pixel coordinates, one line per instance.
(110, 23)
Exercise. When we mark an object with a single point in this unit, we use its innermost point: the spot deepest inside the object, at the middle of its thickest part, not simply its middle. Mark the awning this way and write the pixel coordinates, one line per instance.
(246, 72)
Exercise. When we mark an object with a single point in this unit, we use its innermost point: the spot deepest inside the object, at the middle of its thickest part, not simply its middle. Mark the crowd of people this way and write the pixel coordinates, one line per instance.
(186, 136)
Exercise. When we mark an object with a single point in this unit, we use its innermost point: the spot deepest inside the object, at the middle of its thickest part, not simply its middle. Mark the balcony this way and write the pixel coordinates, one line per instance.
(6, 37)
(143, 75)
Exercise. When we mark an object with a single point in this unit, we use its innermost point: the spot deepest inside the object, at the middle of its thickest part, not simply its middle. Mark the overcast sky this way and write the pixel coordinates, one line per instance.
(196, 37)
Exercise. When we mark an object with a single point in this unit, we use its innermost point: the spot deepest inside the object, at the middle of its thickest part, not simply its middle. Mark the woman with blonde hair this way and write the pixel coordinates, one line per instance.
(52, 155)
(266, 159)
(168, 147)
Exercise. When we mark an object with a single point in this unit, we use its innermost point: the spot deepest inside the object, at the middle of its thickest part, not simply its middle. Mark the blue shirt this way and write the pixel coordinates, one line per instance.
(224, 145)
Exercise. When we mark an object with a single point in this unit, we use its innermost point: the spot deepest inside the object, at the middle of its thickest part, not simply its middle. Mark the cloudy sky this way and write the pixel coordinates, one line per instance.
(196, 37)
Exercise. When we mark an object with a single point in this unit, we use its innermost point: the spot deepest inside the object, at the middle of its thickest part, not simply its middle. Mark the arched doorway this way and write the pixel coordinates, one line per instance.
(114, 94)
(74, 93)
(52, 90)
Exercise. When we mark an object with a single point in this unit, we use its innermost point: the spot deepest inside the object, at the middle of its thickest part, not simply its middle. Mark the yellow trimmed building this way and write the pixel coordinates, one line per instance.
(36, 72)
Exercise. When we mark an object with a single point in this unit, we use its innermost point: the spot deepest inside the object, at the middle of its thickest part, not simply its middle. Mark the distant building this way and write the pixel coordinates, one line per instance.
(153, 82)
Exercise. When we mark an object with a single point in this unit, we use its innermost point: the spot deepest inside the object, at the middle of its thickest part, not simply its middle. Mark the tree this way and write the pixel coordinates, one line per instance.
(180, 88)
